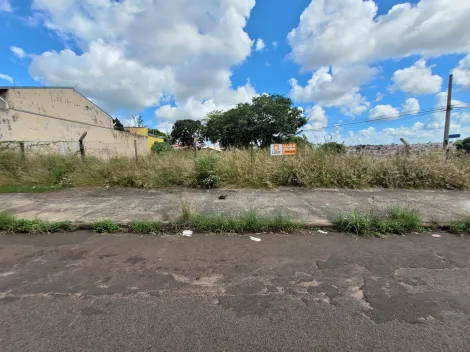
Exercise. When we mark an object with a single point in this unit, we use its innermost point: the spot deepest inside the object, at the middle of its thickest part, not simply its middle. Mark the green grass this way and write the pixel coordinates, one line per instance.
(142, 226)
(106, 226)
(219, 223)
(10, 224)
(248, 222)
(28, 189)
(395, 220)
(461, 226)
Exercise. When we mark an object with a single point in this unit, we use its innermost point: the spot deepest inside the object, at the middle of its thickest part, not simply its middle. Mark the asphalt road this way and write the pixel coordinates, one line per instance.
(310, 292)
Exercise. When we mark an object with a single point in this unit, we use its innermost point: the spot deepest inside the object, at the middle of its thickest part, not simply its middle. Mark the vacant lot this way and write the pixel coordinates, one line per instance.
(334, 292)
(311, 167)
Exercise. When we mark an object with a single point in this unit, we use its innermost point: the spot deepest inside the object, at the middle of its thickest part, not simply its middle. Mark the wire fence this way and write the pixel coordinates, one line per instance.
(83, 149)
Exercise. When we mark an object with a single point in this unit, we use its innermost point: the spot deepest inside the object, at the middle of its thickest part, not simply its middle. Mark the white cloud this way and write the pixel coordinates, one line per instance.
(316, 118)
(383, 112)
(195, 109)
(274, 44)
(18, 52)
(379, 96)
(6, 78)
(411, 106)
(462, 73)
(417, 79)
(137, 54)
(429, 28)
(259, 45)
(338, 88)
(5, 6)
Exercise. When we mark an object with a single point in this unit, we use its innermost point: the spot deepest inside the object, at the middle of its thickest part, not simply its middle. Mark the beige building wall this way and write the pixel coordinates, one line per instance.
(62, 114)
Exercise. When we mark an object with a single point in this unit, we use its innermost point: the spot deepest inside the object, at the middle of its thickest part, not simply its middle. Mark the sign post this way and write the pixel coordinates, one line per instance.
(454, 135)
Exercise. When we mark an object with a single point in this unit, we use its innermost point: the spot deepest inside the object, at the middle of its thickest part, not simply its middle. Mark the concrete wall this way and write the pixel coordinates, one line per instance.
(62, 114)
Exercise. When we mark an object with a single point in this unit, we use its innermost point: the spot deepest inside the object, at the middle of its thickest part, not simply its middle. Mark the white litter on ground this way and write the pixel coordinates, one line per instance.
(187, 233)
(256, 239)
(324, 232)
(436, 235)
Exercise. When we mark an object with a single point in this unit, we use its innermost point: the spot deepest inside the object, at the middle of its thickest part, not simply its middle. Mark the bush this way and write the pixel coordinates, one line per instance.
(206, 175)
(106, 226)
(333, 147)
(159, 147)
(463, 145)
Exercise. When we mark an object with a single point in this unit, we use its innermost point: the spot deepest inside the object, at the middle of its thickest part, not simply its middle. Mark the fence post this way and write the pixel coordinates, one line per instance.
(23, 156)
(135, 149)
(195, 146)
(82, 145)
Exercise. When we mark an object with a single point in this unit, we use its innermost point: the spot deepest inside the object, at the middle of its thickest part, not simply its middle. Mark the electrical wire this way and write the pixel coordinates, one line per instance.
(384, 118)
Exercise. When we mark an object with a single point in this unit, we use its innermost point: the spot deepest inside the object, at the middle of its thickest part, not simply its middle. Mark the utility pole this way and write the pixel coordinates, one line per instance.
(448, 110)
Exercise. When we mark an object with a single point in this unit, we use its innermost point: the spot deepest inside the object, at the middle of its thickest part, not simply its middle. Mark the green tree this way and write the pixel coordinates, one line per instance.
(267, 119)
(183, 132)
(157, 133)
(136, 121)
(118, 125)
(301, 142)
(463, 145)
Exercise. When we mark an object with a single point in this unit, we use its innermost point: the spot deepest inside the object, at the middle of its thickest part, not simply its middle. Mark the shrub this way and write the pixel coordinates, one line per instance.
(106, 226)
(159, 147)
(333, 147)
(206, 175)
(463, 145)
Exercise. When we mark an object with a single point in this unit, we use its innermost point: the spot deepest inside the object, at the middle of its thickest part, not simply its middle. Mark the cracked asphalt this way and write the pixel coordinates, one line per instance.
(306, 292)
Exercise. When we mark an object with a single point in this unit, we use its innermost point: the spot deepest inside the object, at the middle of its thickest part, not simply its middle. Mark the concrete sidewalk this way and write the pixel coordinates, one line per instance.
(312, 206)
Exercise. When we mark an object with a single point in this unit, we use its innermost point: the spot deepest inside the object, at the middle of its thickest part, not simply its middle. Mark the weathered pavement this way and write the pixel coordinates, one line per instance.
(310, 206)
(90, 292)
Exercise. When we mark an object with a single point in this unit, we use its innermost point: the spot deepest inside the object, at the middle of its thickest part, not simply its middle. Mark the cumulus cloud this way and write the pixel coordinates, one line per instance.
(417, 79)
(411, 106)
(338, 87)
(380, 112)
(136, 54)
(6, 78)
(18, 52)
(259, 45)
(5, 6)
(316, 118)
(430, 28)
(196, 109)
(462, 73)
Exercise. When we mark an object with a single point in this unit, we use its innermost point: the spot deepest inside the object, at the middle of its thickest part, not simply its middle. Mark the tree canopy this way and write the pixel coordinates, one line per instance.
(118, 125)
(267, 119)
(184, 130)
(463, 145)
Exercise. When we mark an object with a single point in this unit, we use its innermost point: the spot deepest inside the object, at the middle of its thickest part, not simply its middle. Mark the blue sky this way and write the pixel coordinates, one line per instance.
(347, 63)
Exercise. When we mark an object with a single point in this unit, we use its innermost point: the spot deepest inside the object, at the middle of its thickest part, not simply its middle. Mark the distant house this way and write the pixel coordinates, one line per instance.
(144, 131)
(61, 114)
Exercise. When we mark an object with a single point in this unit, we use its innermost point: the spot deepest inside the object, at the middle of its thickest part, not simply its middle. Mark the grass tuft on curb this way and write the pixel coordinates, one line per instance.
(10, 224)
(394, 220)
(106, 226)
(461, 226)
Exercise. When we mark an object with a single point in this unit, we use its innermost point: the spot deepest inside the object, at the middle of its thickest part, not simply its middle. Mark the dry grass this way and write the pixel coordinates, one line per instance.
(237, 168)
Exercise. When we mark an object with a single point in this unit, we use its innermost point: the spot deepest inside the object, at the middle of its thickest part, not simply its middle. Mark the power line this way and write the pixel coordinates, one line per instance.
(391, 118)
